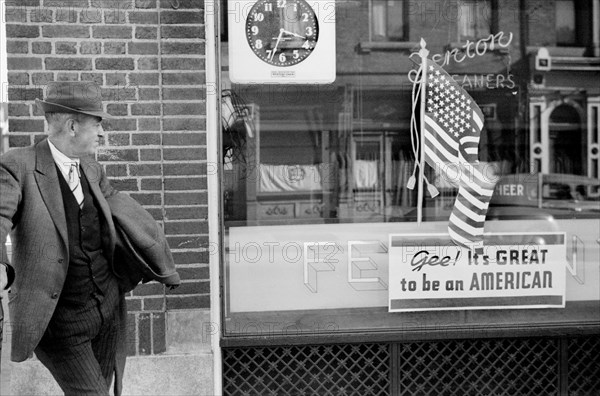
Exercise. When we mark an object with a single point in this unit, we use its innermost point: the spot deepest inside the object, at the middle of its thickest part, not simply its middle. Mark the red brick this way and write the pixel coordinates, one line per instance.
(184, 108)
(90, 15)
(41, 47)
(186, 227)
(145, 169)
(116, 170)
(131, 334)
(145, 109)
(182, 154)
(66, 48)
(114, 64)
(18, 110)
(98, 78)
(37, 15)
(182, 17)
(115, 16)
(150, 155)
(19, 140)
(183, 169)
(182, 4)
(184, 139)
(182, 48)
(114, 48)
(184, 124)
(68, 64)
(186, 183)
(187, 213)
(182, 64)
(143, 17)
(119, 124)
(147, 63)
(66, 14)
(18, 78)
(196, 32)
(149, 93)
(64, 31)
(42, 78)
(119, 79)
(153, 303)
(24, 93)
(117, 109)
(188, 302)
(17, 47)
(185, 199)
(184, 93)
(145, 3)
(22, 31)
(141, 139)
(128, 155)
(142, 48)
(125, 184)
(149, 124)
(195, 78)
(147, 199)
(133, 304)
(17, 125)
(124, 32)
(194, 273)
(193, 287)
(188, 257)
(25, 63)
(91, 48)
(151, 185)
(143, 78)
(119, 139)
(145, 333)
(67, 76)
(146, 33)
(159, 332)
(14, 14)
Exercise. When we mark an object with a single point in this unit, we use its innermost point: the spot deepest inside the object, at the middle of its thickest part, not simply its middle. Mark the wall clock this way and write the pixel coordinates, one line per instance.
(281, 41)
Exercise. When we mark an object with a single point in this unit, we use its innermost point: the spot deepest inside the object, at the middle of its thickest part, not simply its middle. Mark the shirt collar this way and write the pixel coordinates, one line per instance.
(63, 162)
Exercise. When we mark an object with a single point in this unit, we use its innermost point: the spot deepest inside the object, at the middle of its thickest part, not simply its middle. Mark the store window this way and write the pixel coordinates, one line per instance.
(389, 21)
(319, 194)
(475, 19)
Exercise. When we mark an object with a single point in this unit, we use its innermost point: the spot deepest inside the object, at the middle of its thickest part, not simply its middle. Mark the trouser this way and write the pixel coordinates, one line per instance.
(79, 348)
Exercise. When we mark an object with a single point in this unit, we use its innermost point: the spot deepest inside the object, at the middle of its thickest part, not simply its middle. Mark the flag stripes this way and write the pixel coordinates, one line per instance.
(453, 124)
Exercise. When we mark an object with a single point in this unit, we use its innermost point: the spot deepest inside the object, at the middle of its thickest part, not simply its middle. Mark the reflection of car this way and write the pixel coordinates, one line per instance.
(558, 195)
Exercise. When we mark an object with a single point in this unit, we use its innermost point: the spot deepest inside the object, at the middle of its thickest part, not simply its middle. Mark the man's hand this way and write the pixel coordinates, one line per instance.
(3, 277)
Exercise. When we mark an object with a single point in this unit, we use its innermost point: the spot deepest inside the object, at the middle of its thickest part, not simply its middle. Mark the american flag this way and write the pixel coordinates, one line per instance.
(453, 124)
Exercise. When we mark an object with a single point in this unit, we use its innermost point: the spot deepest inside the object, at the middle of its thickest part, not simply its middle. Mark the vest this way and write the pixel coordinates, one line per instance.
(88, 275)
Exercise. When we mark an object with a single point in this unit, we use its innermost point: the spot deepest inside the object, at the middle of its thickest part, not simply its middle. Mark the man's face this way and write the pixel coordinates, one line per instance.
(88, 130)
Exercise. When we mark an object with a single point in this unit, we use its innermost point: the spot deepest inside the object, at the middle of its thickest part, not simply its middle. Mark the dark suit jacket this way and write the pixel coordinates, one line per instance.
(32, 211)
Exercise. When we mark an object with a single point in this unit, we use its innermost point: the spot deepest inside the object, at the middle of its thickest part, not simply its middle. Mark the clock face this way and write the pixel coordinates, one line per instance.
(282, 32)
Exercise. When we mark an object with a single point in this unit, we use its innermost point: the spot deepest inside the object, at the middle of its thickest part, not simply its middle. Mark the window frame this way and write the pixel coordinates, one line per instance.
(387, 37)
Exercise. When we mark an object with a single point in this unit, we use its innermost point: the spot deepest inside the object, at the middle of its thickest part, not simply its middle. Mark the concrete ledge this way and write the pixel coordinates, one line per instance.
(147, 375)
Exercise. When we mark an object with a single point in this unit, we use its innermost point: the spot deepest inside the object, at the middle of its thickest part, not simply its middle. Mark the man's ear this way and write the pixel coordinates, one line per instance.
(70, 126)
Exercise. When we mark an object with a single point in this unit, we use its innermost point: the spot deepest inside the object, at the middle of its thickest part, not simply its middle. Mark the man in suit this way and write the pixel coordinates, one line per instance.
(65, 301)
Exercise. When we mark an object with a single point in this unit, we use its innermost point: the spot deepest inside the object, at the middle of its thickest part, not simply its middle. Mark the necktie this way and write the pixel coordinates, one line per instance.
(75, 183)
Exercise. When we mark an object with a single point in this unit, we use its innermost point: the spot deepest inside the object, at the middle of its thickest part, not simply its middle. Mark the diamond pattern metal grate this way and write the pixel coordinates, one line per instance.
(499, 367)
(308, 370)
(480, 367)
(584, 366)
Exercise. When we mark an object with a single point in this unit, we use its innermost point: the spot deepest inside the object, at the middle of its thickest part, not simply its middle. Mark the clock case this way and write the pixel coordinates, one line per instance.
(245, 67)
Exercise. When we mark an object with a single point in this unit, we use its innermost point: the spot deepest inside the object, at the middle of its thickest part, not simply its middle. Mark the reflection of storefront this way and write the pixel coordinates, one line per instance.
(320, 204)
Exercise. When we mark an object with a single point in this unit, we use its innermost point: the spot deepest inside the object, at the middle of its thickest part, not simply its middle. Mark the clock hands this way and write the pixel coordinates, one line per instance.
(280, 37)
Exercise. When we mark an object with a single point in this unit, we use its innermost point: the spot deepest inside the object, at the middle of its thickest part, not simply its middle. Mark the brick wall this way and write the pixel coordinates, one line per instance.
(148, 55)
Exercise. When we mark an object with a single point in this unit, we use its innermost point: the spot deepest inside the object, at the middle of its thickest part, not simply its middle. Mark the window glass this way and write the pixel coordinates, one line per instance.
(565, 22)
(321, 184)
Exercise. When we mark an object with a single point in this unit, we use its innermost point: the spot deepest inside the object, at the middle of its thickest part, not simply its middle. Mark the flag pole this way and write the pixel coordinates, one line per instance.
(423, 53)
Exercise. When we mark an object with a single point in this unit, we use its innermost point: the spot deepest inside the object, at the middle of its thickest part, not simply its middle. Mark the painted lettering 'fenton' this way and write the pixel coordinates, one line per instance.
(472, 49)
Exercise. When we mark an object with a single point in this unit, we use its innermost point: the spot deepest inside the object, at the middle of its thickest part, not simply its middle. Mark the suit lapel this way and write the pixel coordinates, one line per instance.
(93, 173)
(47, 181)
